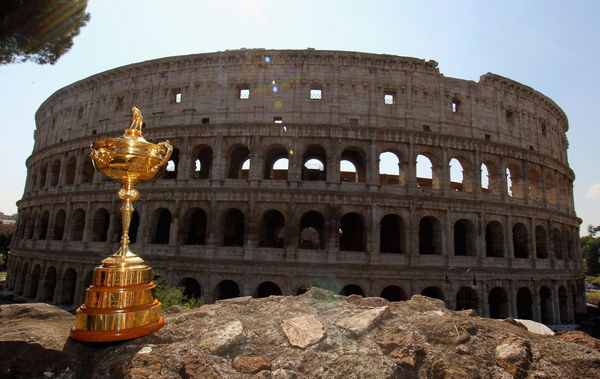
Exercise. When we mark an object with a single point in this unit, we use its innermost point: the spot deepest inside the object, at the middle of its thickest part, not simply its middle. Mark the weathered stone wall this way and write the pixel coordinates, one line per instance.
(502, 240)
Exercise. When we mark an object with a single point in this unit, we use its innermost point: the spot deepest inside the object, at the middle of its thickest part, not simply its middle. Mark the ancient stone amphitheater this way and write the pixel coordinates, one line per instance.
(361, 173)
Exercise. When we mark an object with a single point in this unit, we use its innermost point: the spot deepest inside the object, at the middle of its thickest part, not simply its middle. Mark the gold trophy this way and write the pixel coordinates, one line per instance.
(120, 303)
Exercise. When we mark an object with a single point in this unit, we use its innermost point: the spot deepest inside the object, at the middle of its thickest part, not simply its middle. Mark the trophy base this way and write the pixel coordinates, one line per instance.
(115, 335)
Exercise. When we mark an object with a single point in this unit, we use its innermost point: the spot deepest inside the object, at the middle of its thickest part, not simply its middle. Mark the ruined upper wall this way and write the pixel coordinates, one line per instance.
(353, 90)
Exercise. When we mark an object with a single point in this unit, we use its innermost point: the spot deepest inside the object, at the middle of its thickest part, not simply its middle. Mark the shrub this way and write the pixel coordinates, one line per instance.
(170, 296)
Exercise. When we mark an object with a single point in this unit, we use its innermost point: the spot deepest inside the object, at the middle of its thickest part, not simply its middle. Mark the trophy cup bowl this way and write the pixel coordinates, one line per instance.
(120, 303)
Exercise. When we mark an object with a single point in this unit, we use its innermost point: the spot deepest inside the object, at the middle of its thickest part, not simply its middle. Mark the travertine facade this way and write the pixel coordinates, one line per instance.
(502, 239)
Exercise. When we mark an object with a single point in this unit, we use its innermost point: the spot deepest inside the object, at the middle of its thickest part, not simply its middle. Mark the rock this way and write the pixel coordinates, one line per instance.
(303, 331)
(535, 327)
(320, 294)
(367, 301)
(244, 300)
(250, 365)
(580, 338)
(364, 321)
(514, 354)
(224, 337)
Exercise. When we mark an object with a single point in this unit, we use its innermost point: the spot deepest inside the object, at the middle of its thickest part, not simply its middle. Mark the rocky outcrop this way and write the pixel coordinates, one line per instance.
(316, 335)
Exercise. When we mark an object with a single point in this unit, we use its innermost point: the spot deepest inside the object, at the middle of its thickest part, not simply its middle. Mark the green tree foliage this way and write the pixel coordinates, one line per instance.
(5, 238)
(170, 296)
(39, 30)
(590, 249)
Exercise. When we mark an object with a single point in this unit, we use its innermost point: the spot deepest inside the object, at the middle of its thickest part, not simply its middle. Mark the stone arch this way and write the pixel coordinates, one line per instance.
(393, 293)
(59, 225)
(356, 157)
(171, 169)
(161, 226)
(464, 238)
(312, 234)
(202, 159)
(550, 189)
(535, 185)
(490, 177)
(563, 305)
(100, 225)
(22, 279)
(427, 173)
(392, 234)
(274, 155)
(43, 175)
(268, 288)
(352, 289)
(520, 238)
(314, 163)
(466, 298)
(514, 181)
(49, 285)
(272, 229)
(77, 225)
(191, 288)
(494, 240)
(55, 174)
(43, 225)
(498, 303)
(34, 281)
(194, 227)
(233, 228)
(390, 172)
(227, 289)
(71, 170)
(546, 307)
(430, 236)
(524, 304)
(238, 155)
(31, 226)
(87, 172)
(69, 281)
(557, 244)
(434, 292)
(541, 244)
(352, 232)
(461, 178)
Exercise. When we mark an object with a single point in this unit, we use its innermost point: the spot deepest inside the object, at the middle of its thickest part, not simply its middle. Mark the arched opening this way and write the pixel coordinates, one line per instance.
(59, 225)
(498, 302)
(434, 292)
(227, 289)
(393, 293)
(172, 167)
(312, 225)
(202, 157)
(464, 238)
(21, 283)
(430, 236)
(352, 166)
(194, 226)
(237, 159)
(162, 228)
(49, 285)
(524, 304)
(68, 289)
(520, 241)
(352, 232)
(233, 228)
(266, 289)
(485, 178)
(34, 282)
(77, 225)
(71, 169)
(535, 185)
(570, 246)
(352, 289)
(550, 189)
(43, 226)
(191, 288)
(546, 309)
(303, 289)
(276, 164)
(87, 171)
(541, 249)
(424, 170)
(392, 234)
(100, 224)
(563, 302)
(43, 174)
(55, 173)
(457, 173)
(514, 185)
(389, 169)
(557, 246)
(272, 229)
(313, 163)
(494, 240)
(466, 298)
(31, 226)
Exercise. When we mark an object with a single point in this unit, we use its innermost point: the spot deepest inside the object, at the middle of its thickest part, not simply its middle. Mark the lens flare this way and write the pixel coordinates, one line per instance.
(275, 89)
(278, 104)
(267, 59)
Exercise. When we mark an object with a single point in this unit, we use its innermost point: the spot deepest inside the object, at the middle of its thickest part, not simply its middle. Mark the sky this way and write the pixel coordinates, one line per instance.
(552, 46)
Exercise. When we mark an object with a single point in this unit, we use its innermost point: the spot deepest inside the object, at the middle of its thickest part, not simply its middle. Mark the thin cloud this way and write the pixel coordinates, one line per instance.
(593, 192)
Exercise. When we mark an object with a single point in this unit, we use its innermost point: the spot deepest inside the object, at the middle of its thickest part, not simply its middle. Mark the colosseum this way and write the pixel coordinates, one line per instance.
(361, 173)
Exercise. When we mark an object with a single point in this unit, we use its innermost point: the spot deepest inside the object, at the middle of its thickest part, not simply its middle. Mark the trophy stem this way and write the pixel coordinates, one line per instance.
(128, 194)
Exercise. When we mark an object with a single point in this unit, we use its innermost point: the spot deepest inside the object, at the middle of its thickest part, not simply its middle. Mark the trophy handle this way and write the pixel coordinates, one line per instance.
(169, 148)
(102, 156)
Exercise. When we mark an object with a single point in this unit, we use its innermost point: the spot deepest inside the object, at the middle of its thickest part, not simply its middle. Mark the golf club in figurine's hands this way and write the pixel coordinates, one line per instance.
(120, 303)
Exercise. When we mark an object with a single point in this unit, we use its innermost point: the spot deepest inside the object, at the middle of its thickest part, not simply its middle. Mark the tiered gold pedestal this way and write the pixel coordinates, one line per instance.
(119, 305)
